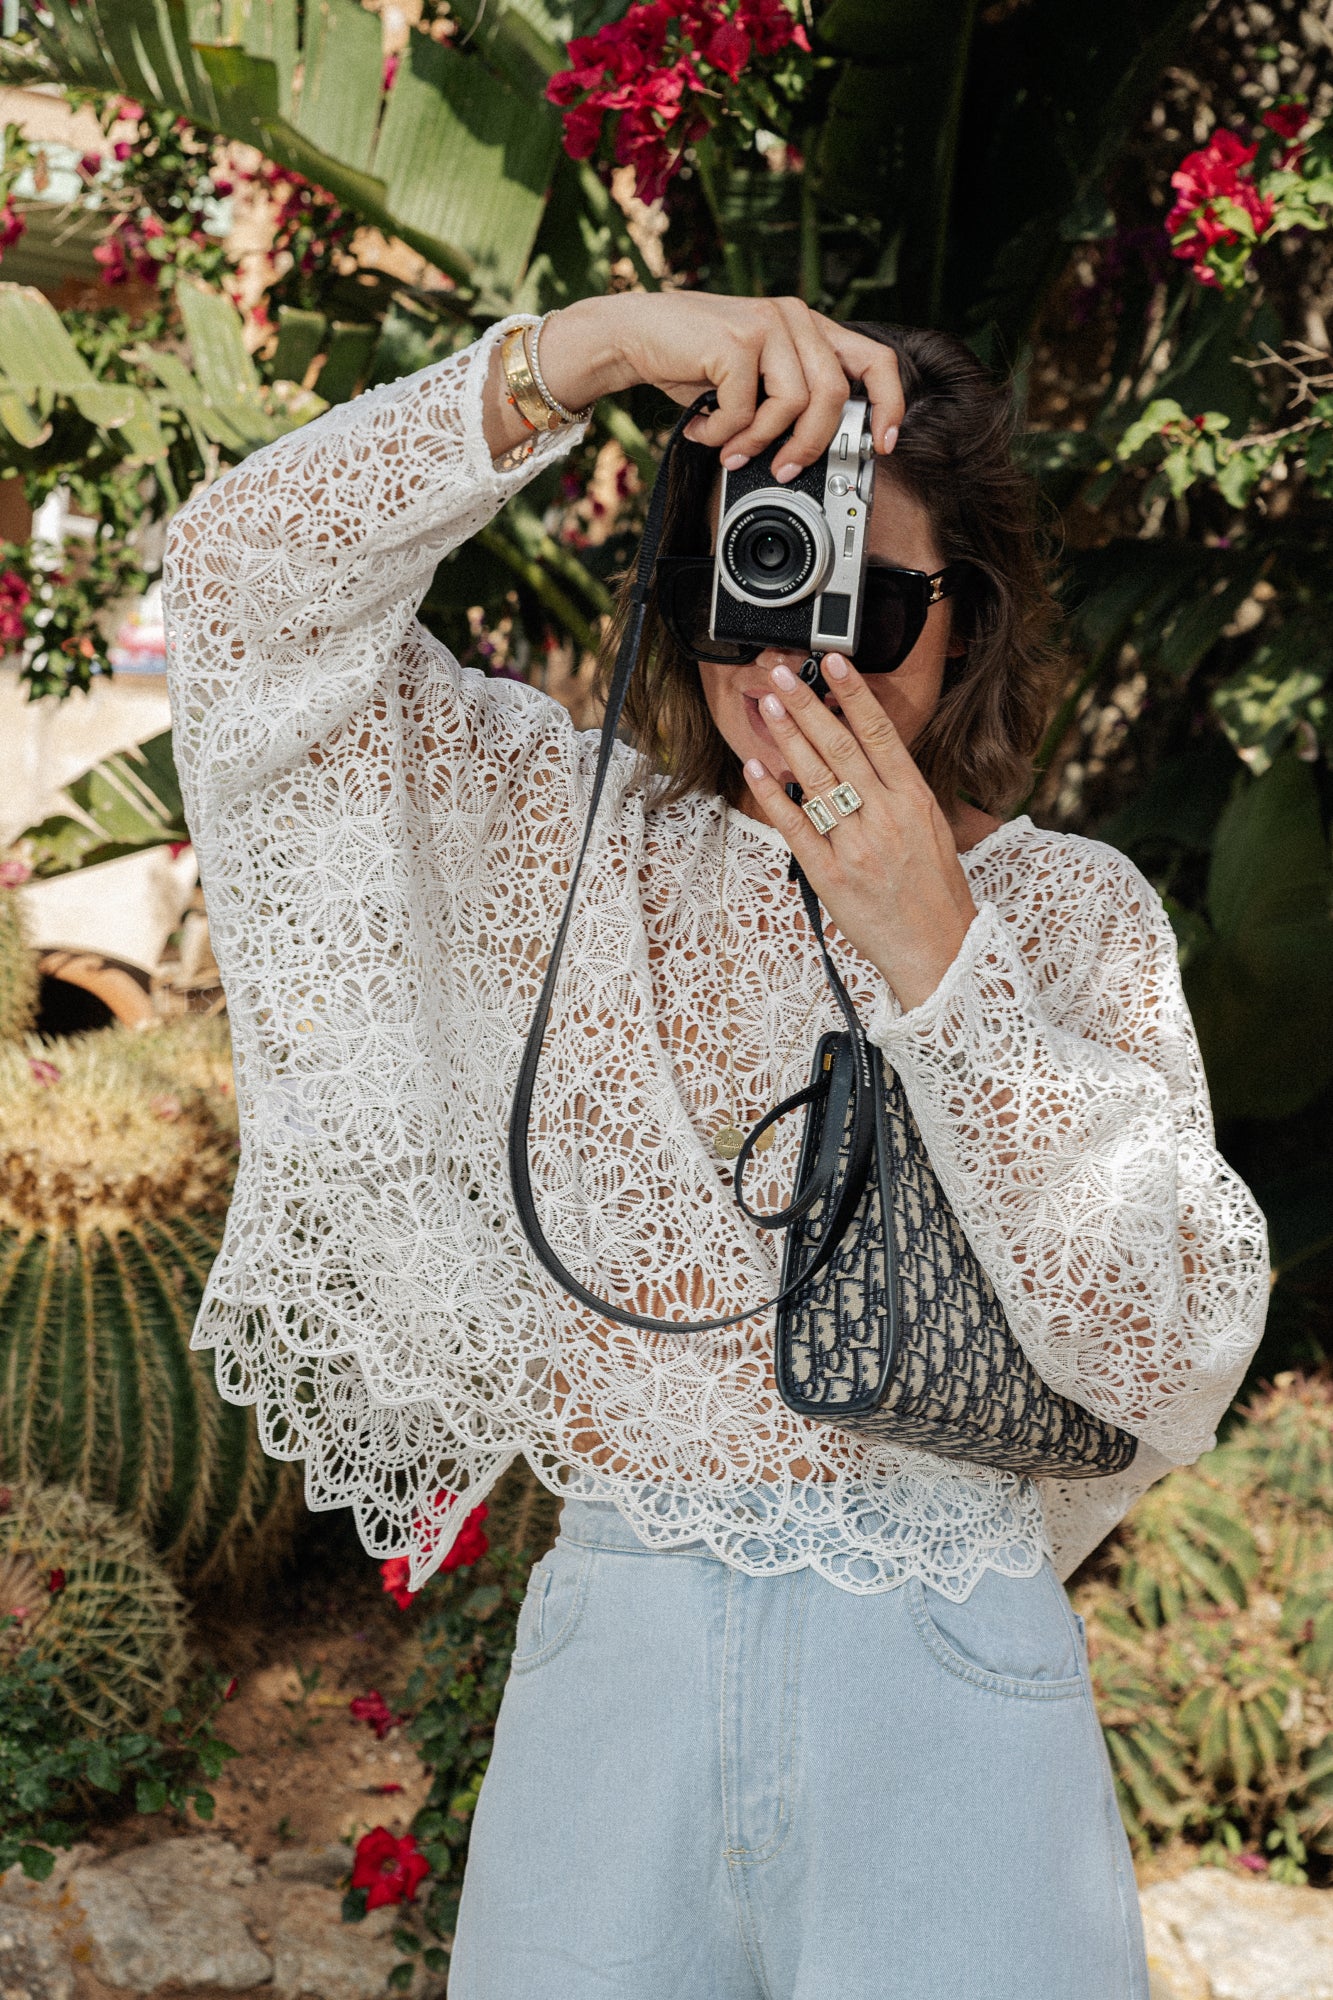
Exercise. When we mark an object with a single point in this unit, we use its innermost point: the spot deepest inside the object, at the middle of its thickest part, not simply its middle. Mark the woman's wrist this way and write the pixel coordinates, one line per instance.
(580, 362)
(582, 352)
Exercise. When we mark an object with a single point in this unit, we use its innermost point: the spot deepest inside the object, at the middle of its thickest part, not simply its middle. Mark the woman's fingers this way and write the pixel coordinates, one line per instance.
(820, 749)
(876, 368)
(781, 368)
(808, 845)
(878, 742)
(786, 394)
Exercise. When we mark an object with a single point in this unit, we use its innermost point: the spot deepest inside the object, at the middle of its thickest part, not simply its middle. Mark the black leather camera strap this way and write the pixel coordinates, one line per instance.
(850, 1080)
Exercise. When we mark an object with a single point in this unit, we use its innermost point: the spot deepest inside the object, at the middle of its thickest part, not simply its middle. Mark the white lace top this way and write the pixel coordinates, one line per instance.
(385, 842)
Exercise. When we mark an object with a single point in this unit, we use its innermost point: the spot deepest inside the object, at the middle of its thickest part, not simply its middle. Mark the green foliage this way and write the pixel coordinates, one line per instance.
(54, 1783)
(82, 1588)
(453, 160)
(117, 1164)
(467, 1638)
(128, 802)
(1212, 1647)
(18, 970)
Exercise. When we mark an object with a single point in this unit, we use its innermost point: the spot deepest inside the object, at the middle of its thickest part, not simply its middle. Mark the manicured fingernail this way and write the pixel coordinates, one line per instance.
(754, 769)
(787, 470)
(772, 707)
(734, 460)
(890, 437)
(835, 667)
(784, 678)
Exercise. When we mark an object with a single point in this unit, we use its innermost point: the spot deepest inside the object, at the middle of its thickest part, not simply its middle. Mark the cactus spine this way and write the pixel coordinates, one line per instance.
(116, 1163)
(18, 970)
(83, 1588)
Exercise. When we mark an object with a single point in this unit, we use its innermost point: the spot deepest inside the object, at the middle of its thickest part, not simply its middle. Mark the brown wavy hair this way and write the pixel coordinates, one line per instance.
(955, 457)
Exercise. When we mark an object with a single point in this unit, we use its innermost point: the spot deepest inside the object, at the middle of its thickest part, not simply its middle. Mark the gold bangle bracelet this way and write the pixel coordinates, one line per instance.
(524, 394)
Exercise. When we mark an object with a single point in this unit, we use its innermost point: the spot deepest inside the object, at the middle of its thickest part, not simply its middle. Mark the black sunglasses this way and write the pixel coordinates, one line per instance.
(893, 615)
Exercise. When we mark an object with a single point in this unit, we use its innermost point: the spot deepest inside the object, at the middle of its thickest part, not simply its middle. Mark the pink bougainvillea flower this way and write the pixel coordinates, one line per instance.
(15, 597)
(12, 226)
(55, 1582)
(728, 49)
(14, 871)
(122, 150)
(1255, 1863)
(390, 1867)
(43, 1072)
(374, 1710)
(1289, 119)
(90, 164)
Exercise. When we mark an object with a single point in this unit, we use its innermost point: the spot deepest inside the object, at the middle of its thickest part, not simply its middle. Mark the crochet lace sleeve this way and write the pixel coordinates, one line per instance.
(1059, 1090)
(291, 583)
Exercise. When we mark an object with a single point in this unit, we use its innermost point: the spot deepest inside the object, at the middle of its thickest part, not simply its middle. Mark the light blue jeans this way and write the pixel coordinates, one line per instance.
(708, 1786)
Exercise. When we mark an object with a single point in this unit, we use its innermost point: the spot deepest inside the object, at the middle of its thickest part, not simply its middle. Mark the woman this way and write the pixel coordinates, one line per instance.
(792, 1716)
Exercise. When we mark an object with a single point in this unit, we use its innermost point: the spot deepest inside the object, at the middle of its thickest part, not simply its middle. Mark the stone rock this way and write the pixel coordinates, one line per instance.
(327, 1865)
(32, 1964)
(1213, 1936)
(316, 1954)
(171, 1914)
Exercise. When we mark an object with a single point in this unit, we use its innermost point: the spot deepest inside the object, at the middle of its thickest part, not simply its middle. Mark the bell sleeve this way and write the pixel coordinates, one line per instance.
(1060, 1094)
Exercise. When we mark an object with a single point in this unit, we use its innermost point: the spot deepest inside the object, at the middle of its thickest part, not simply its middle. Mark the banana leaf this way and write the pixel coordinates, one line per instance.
(126, 803)
(455, 159)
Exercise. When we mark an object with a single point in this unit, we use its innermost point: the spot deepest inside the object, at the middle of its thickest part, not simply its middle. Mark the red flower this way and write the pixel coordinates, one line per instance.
(55, 1581)
(12, 226)
(373, 1709)
(393, 1578)
(90, 164)
(390, 72)
(470, 1544)
(43, 1072)
(770, 26)
(391, 1868)
(15, 596)
(229, 1692)
(728, 49)
(386, 1790)
(122, 149)
(1287, 120)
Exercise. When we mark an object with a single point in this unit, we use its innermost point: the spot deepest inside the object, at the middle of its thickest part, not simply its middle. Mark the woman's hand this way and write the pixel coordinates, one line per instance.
(774, 364)
(888, 874)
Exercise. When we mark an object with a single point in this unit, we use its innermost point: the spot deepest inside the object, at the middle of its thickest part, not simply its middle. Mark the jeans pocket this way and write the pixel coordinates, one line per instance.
(552, 1606)
(1013, 1635)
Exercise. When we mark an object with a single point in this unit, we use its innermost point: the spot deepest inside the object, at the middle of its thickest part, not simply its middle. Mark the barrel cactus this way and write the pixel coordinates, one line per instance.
(1212, 1648)
(116, 1164)
(18, 964)
(83, 1589)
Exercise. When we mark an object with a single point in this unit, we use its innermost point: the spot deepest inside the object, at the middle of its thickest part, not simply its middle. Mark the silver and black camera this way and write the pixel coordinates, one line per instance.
(789, 563)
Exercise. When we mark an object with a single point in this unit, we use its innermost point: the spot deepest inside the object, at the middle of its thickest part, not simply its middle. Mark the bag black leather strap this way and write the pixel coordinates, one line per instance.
(852, 1076)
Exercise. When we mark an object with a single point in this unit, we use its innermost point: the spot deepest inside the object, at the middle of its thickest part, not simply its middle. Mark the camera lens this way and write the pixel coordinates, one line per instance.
(771, 553)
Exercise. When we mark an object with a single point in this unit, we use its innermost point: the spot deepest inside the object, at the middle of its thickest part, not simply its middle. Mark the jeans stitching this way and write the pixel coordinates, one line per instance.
(1014, 1688)
(791, 1650)
(526, 1663)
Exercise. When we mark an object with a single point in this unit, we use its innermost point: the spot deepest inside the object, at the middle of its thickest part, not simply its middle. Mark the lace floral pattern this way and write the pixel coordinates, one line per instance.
(385, 840)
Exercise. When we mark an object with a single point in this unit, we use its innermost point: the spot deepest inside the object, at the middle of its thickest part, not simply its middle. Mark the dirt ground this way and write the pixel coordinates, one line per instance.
(308, 1771)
